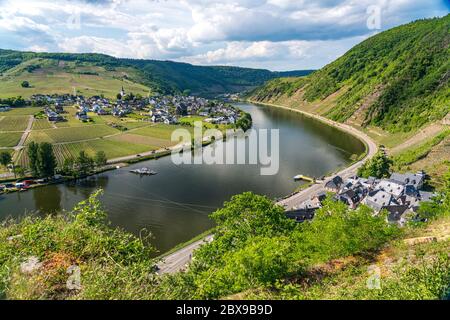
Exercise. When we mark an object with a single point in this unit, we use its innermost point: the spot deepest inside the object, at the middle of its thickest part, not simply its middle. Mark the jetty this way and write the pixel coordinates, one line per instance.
(303, 177)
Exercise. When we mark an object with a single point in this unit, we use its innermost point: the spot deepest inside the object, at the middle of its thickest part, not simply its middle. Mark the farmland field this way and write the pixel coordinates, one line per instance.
(41, 124)
(10, 139)
(25, 111)
(113, 149)
(128, 138)
(53, 78)
(160, 131)
(14, 123)
(71, 134)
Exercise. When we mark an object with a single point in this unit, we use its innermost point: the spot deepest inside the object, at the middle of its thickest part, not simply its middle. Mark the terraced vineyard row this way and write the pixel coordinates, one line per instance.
(41, 124)
(10, 139)
(62, 135)
(14, 123)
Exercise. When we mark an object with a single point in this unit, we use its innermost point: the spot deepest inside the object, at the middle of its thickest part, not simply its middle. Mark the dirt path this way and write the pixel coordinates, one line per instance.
(25, 134)
(424, 134)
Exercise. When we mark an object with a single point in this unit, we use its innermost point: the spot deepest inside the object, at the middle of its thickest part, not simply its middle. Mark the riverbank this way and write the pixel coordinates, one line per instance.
(177, 259)
(112, 164)
(60, 180)
(297, 198)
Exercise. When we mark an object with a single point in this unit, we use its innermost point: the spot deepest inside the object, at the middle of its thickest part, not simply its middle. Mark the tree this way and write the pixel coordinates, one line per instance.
(46, 160)
(439, 205)
(68, 167)
(379, 166)
(244, 122)
(5, 159)
(100, 159)
(33, 151)
(84, 163)
(247, 215)
(19, 171)
(25, 84)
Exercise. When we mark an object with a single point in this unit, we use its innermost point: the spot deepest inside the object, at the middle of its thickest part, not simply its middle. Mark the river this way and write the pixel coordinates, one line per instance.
(174, 205)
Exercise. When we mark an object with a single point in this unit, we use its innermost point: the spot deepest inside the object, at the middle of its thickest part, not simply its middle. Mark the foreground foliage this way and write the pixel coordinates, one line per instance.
(111, 262)
(254, 246)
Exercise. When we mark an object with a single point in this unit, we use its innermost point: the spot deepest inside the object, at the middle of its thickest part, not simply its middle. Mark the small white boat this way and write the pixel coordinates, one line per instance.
(144, 171)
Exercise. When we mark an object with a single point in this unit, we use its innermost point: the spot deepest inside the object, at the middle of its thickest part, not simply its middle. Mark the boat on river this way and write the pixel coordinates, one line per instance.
(303, 177)
(144, 172)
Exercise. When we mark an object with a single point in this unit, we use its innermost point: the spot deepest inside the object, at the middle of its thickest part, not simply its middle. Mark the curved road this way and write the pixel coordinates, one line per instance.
(178, 260)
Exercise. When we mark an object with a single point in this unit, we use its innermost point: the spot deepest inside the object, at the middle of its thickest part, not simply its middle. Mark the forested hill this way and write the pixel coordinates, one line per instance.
(397, 80)
(164, 76)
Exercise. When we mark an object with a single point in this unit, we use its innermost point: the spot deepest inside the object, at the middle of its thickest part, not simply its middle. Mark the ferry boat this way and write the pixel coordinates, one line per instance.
(144, 171)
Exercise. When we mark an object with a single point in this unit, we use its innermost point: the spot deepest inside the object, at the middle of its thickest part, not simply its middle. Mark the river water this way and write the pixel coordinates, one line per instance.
(174, 205)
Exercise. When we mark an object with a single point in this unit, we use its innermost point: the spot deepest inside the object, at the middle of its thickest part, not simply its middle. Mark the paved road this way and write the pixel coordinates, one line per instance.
(178, 260)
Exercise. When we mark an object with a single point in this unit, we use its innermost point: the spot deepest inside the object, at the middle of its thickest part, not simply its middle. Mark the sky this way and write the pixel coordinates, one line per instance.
(271, 34)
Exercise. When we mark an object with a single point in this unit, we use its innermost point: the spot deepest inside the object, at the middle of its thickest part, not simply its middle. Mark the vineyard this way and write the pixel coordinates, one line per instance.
(14, 123)
(41, 124)
(62, 135)
(28, 111)
(160, 131)
(9, 139)
(68, 138)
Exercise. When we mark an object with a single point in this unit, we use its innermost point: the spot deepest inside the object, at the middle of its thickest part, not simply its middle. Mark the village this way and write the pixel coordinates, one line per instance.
(157, 108)
(399, 195)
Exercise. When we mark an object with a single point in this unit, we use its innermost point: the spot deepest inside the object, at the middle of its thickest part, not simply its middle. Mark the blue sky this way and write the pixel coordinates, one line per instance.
(272, 34)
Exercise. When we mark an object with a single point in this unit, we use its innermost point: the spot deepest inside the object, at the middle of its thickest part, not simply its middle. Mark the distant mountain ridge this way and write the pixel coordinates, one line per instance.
(397, 80)
(163, 76)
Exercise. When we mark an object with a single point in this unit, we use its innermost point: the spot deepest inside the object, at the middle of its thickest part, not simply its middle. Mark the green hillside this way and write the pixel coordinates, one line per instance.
(61, 72)
(47, 76)
(397, 80)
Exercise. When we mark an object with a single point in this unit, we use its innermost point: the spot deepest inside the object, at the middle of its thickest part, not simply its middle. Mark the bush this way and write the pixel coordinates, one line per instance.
(379, 166)
(337, 231)
(111, 261)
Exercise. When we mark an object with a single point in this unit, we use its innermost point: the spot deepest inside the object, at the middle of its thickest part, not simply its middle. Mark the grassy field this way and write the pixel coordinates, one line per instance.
(25, 111)
(71, 137)
(62, 135)
(59, 78)
(113, 149)
(14, 123)
(190, 120)
(10, 139)
(41, 124)
(130, 138)
(160, 131)
(432, 155)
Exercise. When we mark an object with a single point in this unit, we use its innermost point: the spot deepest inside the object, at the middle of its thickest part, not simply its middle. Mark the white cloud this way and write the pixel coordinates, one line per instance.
(277, 34)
